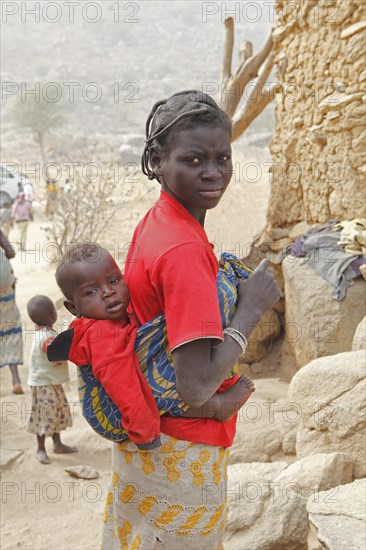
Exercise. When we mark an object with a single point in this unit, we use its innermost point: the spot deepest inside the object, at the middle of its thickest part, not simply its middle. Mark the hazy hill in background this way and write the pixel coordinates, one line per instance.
(135, 54)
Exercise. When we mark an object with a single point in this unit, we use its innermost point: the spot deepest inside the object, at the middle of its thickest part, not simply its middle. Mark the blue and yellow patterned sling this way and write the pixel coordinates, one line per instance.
(155, 361)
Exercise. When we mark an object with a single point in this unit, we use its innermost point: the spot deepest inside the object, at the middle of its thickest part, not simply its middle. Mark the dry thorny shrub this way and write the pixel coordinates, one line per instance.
(98, 190)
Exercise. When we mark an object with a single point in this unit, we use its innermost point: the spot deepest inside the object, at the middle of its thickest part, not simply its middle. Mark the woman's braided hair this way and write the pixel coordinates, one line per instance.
(181, 111)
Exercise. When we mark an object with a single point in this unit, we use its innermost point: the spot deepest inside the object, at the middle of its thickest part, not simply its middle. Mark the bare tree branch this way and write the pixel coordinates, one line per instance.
(257, 101)
(249, 69)
(246, 51)
(228, 49)
(232, 87)
(252, 109)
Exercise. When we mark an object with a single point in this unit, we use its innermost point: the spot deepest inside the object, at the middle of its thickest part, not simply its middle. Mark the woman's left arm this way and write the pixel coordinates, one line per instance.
(6, 246)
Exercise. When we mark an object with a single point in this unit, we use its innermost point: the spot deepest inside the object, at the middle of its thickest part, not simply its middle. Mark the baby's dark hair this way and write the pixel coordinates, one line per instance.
(82, 252)
(39, 309)
(181, 111)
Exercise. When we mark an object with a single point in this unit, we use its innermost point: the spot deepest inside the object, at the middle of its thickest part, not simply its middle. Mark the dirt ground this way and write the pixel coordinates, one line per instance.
(42, 507)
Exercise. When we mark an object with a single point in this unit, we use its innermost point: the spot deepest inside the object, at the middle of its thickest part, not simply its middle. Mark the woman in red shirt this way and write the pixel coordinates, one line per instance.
(175, 496)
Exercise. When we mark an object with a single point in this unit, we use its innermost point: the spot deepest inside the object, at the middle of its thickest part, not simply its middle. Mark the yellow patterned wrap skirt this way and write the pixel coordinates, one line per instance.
(169, 498)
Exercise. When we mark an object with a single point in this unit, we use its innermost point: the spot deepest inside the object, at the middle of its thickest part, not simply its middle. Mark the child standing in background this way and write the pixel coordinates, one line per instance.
(50, 409)
(21, 213)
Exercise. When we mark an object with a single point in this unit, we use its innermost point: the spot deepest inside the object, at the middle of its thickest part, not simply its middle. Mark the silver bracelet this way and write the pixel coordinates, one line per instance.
(238, 337)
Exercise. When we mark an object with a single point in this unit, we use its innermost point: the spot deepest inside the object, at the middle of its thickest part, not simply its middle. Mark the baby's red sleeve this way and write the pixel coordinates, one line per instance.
(46, 343)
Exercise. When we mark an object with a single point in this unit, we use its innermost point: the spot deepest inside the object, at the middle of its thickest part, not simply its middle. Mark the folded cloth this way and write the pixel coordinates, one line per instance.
(353, 236)
(331, 262)
(151, 347)
(296, 248)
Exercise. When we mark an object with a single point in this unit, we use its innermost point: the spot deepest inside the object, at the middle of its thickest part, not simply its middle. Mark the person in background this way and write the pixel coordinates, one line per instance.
(11, 345)
(51, 196)
(5, 218)
(21, 214)
(68, 186)
(50, 409)
(29, 194)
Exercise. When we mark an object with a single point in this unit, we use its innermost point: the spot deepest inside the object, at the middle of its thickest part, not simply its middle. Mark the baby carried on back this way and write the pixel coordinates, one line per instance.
(125, 371)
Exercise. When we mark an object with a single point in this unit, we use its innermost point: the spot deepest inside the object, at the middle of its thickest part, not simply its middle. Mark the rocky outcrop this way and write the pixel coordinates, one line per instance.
(316, 324)
(359, 339)
(267, 499)
(266, 427)
(319, 159)
(337, 517)
(330, 393)
(317, 473)
(267, 502)
(263, 515)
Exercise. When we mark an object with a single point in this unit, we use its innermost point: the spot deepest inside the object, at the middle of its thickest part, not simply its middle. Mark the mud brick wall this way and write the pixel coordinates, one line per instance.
(318, 150)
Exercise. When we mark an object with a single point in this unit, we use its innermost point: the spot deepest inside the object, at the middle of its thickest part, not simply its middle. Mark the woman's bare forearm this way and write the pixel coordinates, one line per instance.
(200, 367)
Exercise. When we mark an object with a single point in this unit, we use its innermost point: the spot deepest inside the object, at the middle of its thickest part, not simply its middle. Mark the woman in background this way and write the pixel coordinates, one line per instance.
(11, 345)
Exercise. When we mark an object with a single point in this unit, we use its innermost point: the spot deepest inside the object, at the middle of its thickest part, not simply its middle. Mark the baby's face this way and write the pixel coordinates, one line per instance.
(100, 290)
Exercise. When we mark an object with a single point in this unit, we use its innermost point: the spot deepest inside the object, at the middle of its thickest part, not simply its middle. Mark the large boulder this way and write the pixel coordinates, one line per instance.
(359, 339)
(263, 515)
(255, 442)
(317, 473)
(266, 426)
(338, 517)
(329, 395)
(316, 324)
(267, 501)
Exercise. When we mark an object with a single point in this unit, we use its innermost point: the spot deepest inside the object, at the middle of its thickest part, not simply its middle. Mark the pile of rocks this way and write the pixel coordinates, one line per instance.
(297, 463)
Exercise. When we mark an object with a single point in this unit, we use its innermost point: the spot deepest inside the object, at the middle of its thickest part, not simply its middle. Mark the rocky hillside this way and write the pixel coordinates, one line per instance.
(110, 72)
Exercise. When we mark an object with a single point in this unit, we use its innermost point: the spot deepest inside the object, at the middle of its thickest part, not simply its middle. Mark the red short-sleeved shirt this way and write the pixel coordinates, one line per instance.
(171, 268)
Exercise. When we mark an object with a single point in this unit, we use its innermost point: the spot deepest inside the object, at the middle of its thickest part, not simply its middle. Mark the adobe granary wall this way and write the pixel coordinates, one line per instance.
(318, 150)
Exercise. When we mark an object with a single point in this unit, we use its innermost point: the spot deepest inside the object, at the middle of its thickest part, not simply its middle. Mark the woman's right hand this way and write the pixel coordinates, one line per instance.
(257, 294)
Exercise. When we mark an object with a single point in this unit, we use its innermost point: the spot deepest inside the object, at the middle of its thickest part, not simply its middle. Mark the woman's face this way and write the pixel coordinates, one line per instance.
(198, 168)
